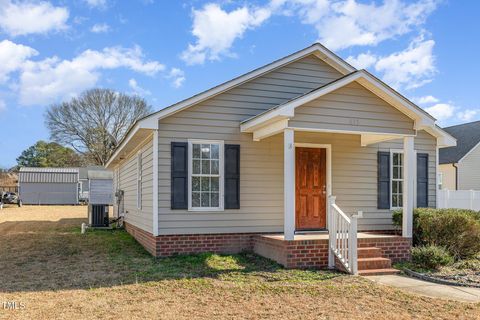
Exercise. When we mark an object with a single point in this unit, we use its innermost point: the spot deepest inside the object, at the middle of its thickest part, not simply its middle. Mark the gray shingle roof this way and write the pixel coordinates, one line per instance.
(467, 135)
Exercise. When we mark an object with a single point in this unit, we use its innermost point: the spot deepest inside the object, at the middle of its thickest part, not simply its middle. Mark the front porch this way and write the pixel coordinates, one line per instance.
(376, 252)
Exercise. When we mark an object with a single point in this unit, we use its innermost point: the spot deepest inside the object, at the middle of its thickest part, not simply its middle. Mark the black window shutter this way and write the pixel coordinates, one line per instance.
(383, 197)
(422, 180)
(232, 176)
(179, 175)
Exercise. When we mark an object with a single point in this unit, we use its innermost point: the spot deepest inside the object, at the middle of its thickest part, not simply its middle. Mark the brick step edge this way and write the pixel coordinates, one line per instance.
(378, 272)
(369, 252)
(374, 263)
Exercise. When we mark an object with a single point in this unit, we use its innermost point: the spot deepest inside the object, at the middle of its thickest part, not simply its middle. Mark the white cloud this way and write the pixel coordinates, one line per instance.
(339, 24)
(425, 100)
(216, 29)
(362, 61)
(177, 76)
(468, 115)
(97, 3)
(12, 57)
(51, 79)
(100, 28)
(409, 69)
(29, 17)
(441, 111)
(132, 83)
(3, 106)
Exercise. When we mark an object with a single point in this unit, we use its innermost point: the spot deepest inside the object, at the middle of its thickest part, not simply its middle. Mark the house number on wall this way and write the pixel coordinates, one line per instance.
(354, 122)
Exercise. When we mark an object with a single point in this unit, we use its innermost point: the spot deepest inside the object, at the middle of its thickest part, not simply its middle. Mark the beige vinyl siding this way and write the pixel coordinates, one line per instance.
(448, 171)
(261, 165)
(352, 108)
(141, 218)
(354, 173)
(469, 170)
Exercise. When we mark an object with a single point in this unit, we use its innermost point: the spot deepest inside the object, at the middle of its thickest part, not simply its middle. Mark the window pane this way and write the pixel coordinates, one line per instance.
(205, 151)
(400, 159)
(215, 184)
(395, 172)
(205, 184)
(400, 174)
(394, 200)
(196, 151)
(195, 199)
(394, 187)
(196, 167)
(205, 199)
(195, 183)
(395, 159)
(400, 187)
(214, 166)
(215, 151)
(214, 199)
(400, 201)
(205, 166)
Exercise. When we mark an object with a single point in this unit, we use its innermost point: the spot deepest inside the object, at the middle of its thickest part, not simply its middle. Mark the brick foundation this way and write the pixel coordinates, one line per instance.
(291, 254)
(167, 245)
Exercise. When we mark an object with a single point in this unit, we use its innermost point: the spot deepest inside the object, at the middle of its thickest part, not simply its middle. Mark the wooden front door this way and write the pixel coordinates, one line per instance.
(310, 189)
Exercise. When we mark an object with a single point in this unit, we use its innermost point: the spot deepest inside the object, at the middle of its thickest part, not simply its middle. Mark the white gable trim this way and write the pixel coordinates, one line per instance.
(316, 49)
(423, 121)
(151, 121)
(287, 110)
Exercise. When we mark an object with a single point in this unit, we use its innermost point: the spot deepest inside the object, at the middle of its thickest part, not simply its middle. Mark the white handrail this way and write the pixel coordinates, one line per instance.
(342, 237)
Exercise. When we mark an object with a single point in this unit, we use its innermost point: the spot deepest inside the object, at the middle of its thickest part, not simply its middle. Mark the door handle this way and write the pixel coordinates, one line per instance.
(324, 191)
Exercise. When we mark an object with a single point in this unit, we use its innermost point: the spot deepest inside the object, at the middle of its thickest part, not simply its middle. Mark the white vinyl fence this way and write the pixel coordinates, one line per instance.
(459, 199)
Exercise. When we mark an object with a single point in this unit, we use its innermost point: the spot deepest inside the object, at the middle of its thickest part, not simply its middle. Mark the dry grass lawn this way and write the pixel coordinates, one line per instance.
(58, 273)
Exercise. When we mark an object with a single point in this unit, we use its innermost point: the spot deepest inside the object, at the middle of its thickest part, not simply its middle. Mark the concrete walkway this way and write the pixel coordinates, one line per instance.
(429, 289)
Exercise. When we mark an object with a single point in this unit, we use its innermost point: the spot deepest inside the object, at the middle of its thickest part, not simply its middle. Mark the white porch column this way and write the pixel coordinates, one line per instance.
(289, 184)
(408, 185)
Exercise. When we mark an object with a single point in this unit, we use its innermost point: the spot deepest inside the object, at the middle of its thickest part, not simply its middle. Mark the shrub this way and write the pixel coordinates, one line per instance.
(457, 230)
(431, 257)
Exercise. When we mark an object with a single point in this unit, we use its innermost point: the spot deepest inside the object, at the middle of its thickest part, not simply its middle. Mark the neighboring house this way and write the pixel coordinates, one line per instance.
(460, 165)
(256, 163)
(55, 186)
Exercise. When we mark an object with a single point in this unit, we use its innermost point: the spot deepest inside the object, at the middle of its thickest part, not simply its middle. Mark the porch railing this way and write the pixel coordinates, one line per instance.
(342, 237)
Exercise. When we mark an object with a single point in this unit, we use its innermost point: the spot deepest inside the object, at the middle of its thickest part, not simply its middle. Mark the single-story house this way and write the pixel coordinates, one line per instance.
(302, 160)
(460, 165)
(55, 186)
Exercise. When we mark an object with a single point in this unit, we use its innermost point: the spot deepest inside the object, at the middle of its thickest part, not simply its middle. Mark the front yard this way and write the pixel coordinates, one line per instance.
(56, 272)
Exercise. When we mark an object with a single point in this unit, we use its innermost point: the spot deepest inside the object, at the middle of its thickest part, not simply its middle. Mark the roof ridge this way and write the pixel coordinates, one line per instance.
(462, 124)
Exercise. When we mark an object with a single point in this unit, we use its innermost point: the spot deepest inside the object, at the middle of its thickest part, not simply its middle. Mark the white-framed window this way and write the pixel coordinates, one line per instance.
(396, 179)
(139, 180)
(205, 170)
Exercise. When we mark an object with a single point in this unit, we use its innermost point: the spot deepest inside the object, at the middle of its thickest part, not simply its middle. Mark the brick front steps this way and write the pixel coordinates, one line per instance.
(376, 252)
(371, 262)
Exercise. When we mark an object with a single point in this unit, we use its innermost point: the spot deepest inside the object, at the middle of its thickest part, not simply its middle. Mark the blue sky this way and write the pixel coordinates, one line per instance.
(169, 50)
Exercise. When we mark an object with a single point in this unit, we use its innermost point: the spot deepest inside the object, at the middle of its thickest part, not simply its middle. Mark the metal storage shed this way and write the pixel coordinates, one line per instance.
(48, 185)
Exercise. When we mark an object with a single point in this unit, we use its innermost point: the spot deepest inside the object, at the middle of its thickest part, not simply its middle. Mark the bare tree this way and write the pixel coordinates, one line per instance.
(95, 122)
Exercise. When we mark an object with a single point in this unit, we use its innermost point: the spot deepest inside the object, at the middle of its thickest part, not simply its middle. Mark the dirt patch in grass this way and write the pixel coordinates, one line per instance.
(58, 273)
